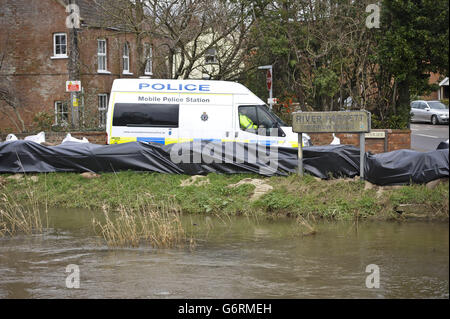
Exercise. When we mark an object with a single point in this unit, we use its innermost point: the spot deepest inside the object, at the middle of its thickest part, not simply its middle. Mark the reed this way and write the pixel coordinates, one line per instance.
(304, 227)
(26, 217)
(159, 227)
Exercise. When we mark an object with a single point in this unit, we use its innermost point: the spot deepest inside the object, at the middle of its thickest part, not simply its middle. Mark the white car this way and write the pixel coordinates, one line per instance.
(434, 112)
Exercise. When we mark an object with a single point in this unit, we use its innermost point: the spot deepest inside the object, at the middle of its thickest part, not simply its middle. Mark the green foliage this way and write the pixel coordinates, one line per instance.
(322, 55)
(412, 42)
(393, 121)
(308, 197)
(326, 82)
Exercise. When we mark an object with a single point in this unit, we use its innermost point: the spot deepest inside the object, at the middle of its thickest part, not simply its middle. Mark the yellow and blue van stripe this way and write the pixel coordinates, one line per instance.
(168, 140)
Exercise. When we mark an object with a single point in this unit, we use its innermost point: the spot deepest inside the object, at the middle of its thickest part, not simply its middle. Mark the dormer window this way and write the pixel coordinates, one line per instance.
(211, 56)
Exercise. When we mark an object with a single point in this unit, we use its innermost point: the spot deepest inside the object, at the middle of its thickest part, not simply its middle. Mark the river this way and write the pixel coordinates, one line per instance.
(233, 258)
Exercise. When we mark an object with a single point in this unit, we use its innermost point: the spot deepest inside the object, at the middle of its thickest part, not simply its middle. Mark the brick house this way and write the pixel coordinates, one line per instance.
(442, 92)
(34, 55)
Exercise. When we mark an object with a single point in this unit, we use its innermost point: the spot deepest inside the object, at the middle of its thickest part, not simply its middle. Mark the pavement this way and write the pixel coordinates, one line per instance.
(426, 137)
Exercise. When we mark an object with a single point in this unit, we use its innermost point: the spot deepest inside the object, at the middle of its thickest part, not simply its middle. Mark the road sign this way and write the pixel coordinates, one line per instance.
(73, 86)
(376, 134)
(331, 122)
(272, 100)
(269, 79)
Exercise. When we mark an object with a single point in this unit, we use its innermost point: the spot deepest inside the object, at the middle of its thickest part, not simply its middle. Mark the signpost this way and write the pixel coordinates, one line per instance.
(272, 100)
(331, 122)
(269, 81)
(74, 87)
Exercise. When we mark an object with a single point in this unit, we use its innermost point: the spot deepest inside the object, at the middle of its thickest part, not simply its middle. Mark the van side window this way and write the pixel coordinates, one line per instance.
(247, 118)
(150, 115)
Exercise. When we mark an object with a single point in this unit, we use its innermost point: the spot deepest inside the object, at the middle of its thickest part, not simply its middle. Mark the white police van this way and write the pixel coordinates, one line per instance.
(175, 111)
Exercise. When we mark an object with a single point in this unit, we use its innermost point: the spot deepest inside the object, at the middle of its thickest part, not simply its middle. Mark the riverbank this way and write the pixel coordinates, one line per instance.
(232, 195)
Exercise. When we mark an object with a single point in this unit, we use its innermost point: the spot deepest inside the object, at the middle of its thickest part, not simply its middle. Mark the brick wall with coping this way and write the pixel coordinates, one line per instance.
(396, 139)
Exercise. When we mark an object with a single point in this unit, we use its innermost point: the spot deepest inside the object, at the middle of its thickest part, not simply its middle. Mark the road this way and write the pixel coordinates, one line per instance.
(426, 137)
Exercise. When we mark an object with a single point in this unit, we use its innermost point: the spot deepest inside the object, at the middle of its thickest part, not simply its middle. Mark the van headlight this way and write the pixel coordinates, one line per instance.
(307, 142)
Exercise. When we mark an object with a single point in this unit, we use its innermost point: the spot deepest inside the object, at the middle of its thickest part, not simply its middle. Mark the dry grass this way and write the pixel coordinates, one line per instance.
(21, 218)
(304, 227)
(160, 227)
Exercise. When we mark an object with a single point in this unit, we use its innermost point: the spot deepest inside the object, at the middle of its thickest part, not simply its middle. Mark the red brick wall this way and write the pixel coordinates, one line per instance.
(434, 78)
(397, 139)
(37, 79)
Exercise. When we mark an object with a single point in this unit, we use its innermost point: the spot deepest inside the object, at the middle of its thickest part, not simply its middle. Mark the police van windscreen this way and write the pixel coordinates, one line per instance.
(276, 118)
(151, 115)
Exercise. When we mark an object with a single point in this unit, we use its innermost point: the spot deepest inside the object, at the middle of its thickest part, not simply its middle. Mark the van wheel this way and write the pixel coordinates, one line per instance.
(434, 120)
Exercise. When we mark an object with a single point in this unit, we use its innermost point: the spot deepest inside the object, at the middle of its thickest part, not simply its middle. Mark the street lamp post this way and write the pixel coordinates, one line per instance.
(269, 81)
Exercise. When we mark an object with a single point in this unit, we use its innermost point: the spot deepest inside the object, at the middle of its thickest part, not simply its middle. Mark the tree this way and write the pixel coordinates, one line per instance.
(325, 56)
(183, 32)
(319, 50)
(412, 42)
(187, 30)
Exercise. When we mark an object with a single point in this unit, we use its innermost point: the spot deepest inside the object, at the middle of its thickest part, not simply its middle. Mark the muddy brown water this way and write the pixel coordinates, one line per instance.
(233, 258)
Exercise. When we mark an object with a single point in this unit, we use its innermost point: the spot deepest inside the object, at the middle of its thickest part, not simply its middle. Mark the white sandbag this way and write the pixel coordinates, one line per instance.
(336, 140)
(70, 138)
(38, 138)
(11, 137)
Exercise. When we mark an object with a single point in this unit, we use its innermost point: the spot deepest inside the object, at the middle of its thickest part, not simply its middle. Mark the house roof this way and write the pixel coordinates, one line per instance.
(444, 82)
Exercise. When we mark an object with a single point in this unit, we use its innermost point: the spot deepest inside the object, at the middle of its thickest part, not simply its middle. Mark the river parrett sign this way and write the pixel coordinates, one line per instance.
(331, 122)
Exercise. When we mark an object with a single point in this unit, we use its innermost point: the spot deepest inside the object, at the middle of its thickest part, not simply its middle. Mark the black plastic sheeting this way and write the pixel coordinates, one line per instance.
(398, 167)
(443, 145)
(406, 167)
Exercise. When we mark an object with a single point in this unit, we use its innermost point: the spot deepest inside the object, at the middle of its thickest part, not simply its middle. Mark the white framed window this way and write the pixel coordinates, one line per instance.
(59, 45)
(102, 108)
(211, 56)
(148, 58)
(101, 56)
(126, 59)
(61, 113)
